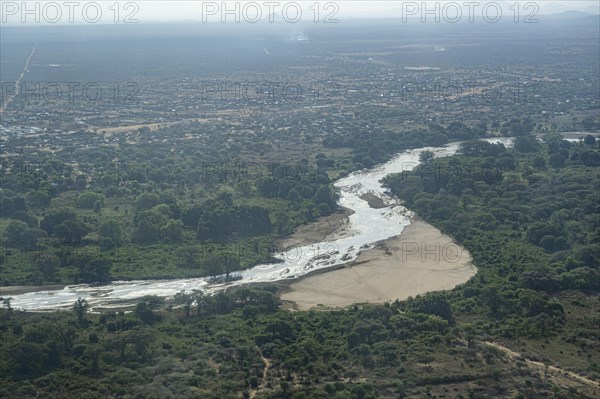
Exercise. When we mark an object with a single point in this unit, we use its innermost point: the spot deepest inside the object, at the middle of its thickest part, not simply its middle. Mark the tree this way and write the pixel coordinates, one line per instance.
(244, 188)
(80, 308)
(364, 350)
(146, 233)
(80, 183)
(285, 387)
(87, 200)
(39, 198)
(230, 263)
(532, 302)
(400, 389)
(425, 359)
(200, 301)
(282, 222)
(526, 144)
(434, 304)
(96, 270)
(214, 265)
(112, 229)
(141, 339)
(27, 358)
(47, 264)
(294, 196)
(70, 231)
(557, 161)
(469, 331)
(6, 303)
(10, 203)
(14, 231)
(30, 237)
(57, 217)
(490, 295)
(190, 256)
(325, 195)
(323, 209)
(172, 231)
(589, 140)
(591, 123)
(426, 156)
(146, 201)
(539, 163)
(97, 206)
(145, 309)
(24, 216)
(186, 300)
(479, 148)
(548, 243)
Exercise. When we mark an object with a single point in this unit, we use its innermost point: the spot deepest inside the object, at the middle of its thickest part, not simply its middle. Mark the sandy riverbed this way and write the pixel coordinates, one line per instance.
(323, 229)
(420, 260)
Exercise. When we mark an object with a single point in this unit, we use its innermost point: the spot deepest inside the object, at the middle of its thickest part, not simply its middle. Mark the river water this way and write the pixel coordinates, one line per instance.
(367, 226)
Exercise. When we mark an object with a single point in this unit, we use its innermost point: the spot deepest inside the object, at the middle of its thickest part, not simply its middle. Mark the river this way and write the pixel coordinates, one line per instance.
(367, 226)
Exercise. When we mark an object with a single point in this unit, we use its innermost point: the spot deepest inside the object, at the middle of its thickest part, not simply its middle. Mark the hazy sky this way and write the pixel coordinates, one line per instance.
(13, 12)
(167, 9)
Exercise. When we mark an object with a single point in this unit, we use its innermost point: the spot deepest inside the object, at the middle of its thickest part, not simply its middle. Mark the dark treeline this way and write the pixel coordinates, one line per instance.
(373, 146)
(217, 347)
(144, 211)
(529, 216)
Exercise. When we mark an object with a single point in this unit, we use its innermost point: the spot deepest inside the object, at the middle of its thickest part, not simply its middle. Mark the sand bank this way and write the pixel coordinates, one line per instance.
(420, 260)
(321, 230)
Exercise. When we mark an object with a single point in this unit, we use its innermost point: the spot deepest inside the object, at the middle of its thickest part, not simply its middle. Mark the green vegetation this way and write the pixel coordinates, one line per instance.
(530, 222)
(529, 216)
(372, 147)
(161, 179)
(532, 231)
(134, 218)
(219, 347)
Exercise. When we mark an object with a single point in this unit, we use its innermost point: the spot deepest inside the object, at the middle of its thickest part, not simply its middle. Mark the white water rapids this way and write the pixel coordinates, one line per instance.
(367, 226)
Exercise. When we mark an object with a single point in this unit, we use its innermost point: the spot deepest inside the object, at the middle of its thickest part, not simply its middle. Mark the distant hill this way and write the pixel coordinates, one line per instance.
(570, 15)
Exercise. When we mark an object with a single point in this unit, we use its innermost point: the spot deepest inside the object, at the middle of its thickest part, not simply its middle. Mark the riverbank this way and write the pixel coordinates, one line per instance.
(323, 229)
(7, 291)
(420, 260)
(327, 244)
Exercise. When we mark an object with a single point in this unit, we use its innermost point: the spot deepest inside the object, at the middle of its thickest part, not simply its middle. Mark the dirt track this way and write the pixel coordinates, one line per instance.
(562, 377)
